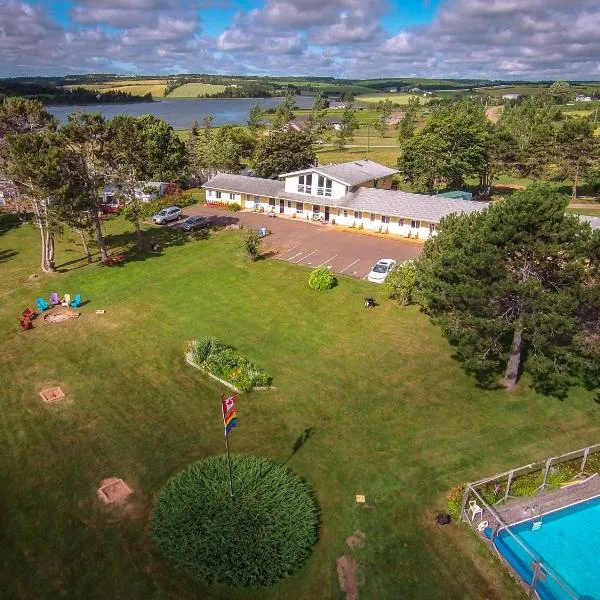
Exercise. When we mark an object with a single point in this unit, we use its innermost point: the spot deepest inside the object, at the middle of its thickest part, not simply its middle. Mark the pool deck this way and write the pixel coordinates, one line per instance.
(516, 510)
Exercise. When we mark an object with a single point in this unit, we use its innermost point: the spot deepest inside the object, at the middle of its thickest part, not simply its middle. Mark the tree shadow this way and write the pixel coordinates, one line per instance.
(7, 255)
(9, 221)
(300, 442)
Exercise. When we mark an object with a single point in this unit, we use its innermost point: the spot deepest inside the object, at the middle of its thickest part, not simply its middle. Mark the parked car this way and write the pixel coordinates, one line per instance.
(111, 208)
(166, 215)
(381, 270)
(192, 223)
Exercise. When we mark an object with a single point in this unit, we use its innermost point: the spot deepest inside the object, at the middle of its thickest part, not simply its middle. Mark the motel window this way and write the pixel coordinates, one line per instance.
(257, 199)
(324, 186)
(305, 184)
(375, 182)
(401, 222)
(272, 202)
(385, 219)
(232, 196)
(218, 195)
(415, 224)
(372, 216)
(357, 214)
(209, 193)
(431, 227)
(316, 209)
(299, 207)
(345, 214)
(289, 204)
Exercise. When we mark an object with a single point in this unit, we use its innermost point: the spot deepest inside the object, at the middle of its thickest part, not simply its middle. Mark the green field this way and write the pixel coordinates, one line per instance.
(193, 90)
(394, 417)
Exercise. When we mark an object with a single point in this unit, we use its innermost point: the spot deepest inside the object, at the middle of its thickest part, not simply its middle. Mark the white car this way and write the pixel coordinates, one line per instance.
(166, 215)
(381, 270)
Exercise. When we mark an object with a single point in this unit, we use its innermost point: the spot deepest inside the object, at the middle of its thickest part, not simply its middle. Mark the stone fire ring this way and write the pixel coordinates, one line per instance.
(61, 315)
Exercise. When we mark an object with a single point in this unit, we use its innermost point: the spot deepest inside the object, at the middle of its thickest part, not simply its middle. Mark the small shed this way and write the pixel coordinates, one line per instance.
(457, 195)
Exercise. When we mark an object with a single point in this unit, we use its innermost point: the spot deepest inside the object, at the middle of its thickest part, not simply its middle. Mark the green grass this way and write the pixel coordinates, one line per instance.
(193, 90)
(591, 211)
(394, 417)
(139, 87)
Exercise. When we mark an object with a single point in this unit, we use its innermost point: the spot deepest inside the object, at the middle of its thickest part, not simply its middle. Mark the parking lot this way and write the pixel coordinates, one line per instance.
(315, 244)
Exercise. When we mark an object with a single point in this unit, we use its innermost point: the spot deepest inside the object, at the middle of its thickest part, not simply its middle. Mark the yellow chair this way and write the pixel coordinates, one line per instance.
(66, 300)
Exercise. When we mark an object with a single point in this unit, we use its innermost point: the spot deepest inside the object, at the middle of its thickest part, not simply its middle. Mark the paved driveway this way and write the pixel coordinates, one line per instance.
(314, 244)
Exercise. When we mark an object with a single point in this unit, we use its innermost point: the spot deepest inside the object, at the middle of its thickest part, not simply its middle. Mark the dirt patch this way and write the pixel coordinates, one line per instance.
(493, 113)
(355, 540)
(56, 316)
(113, 491)
(53, 394)
(346, 570)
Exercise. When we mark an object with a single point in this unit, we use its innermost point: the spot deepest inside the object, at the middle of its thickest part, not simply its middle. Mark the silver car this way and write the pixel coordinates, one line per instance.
(166, 215)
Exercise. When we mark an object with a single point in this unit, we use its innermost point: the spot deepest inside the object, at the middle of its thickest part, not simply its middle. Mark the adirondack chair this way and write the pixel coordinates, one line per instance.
(25, 322)
(54, 299)
(76, 303)
(66, 300)
(42, 305)
(28, 313)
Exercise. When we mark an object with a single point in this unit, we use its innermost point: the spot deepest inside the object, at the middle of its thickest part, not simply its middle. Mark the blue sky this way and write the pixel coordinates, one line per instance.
(507, 39)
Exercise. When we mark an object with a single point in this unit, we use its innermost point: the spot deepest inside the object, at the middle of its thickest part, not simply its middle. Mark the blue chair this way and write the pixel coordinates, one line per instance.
(42, 305)
(76, 303)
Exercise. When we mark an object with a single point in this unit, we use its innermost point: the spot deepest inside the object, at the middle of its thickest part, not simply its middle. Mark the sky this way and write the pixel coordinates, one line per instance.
(490, 39)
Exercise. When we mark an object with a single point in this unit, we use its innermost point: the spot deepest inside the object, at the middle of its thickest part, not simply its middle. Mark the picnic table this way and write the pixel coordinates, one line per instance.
(115, 259)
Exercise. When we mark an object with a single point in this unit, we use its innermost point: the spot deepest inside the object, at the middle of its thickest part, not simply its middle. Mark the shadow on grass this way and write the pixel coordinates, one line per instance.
(7, 255)
(9, 221)
(300, 442)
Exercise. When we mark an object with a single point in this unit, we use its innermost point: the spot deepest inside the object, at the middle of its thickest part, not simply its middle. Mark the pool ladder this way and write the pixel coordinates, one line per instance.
(536, 524)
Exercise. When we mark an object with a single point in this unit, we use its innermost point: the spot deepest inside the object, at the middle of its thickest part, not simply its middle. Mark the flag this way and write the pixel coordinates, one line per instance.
(229, 414)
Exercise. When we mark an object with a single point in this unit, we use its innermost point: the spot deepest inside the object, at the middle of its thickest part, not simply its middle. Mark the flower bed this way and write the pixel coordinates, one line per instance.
(222, 362)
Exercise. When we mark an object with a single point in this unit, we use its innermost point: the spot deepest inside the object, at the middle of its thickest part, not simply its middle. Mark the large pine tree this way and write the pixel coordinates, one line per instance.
(510, 287)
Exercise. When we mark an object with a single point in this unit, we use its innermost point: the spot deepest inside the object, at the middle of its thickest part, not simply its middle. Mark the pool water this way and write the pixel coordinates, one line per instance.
(568, 542)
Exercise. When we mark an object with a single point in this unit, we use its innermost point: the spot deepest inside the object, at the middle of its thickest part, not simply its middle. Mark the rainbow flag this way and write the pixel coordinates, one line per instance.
(229, 414)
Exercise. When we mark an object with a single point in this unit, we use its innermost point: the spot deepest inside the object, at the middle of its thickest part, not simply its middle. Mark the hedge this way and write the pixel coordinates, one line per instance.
(149, 209)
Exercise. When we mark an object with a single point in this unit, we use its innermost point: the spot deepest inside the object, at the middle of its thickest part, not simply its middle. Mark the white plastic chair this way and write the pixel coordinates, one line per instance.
(482, 525)
(474, 510)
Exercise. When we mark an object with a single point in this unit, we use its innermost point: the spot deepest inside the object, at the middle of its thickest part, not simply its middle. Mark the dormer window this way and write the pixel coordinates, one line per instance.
(305, 184)
(324, 186)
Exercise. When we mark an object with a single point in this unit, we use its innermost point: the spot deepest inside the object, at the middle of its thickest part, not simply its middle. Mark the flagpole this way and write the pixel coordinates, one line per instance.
(227, 448)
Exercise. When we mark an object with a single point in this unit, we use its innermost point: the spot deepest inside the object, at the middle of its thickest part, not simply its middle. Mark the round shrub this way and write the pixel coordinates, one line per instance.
(262, 534)
(321, 279)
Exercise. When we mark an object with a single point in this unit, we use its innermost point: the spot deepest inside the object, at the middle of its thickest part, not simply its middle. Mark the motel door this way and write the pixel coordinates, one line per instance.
(281, 206)
(327, 213)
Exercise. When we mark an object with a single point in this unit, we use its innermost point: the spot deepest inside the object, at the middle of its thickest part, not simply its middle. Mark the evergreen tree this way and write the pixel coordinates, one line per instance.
(256, 119)
(509, 285)
(285, 111)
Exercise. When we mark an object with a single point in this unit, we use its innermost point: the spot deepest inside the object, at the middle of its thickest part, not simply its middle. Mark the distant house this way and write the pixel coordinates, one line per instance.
(145, 191)
(353, 194)
(335, 123)
(395, 117)
(299, 123)
(392, 90)
(583, 98)
(511, 96)
(338, 105)
(415, 90)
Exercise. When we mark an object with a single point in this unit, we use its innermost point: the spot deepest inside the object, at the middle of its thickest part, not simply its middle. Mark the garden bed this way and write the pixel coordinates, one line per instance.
(224, 364)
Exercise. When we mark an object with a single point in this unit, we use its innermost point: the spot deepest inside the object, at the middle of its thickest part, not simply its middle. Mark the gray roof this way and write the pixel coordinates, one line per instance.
(593, 221)
(409, 206)
(384, 202)
(228, 182)
(350, 173)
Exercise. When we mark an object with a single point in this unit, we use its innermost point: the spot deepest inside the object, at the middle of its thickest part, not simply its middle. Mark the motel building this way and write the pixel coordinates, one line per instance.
(353, 194)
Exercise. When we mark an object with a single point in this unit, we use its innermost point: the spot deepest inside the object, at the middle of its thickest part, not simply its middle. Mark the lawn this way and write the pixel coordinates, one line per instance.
(393, 417)
(193, 90)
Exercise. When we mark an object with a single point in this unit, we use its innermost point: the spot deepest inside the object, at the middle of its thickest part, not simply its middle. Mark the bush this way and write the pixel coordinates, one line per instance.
(322, 279)
(234, 207)
(262, 534)
(149, 209)
(220, 360)
(252, 244)
(402, 283)
(455, 498)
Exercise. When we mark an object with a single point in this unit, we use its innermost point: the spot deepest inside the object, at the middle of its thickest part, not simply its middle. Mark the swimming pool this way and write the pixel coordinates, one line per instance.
(568, 542)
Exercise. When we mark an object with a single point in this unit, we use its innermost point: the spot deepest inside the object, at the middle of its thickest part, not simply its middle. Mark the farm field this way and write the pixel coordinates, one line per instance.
(193, 90)
(397, 98)
(393, 417)
(156, 87)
